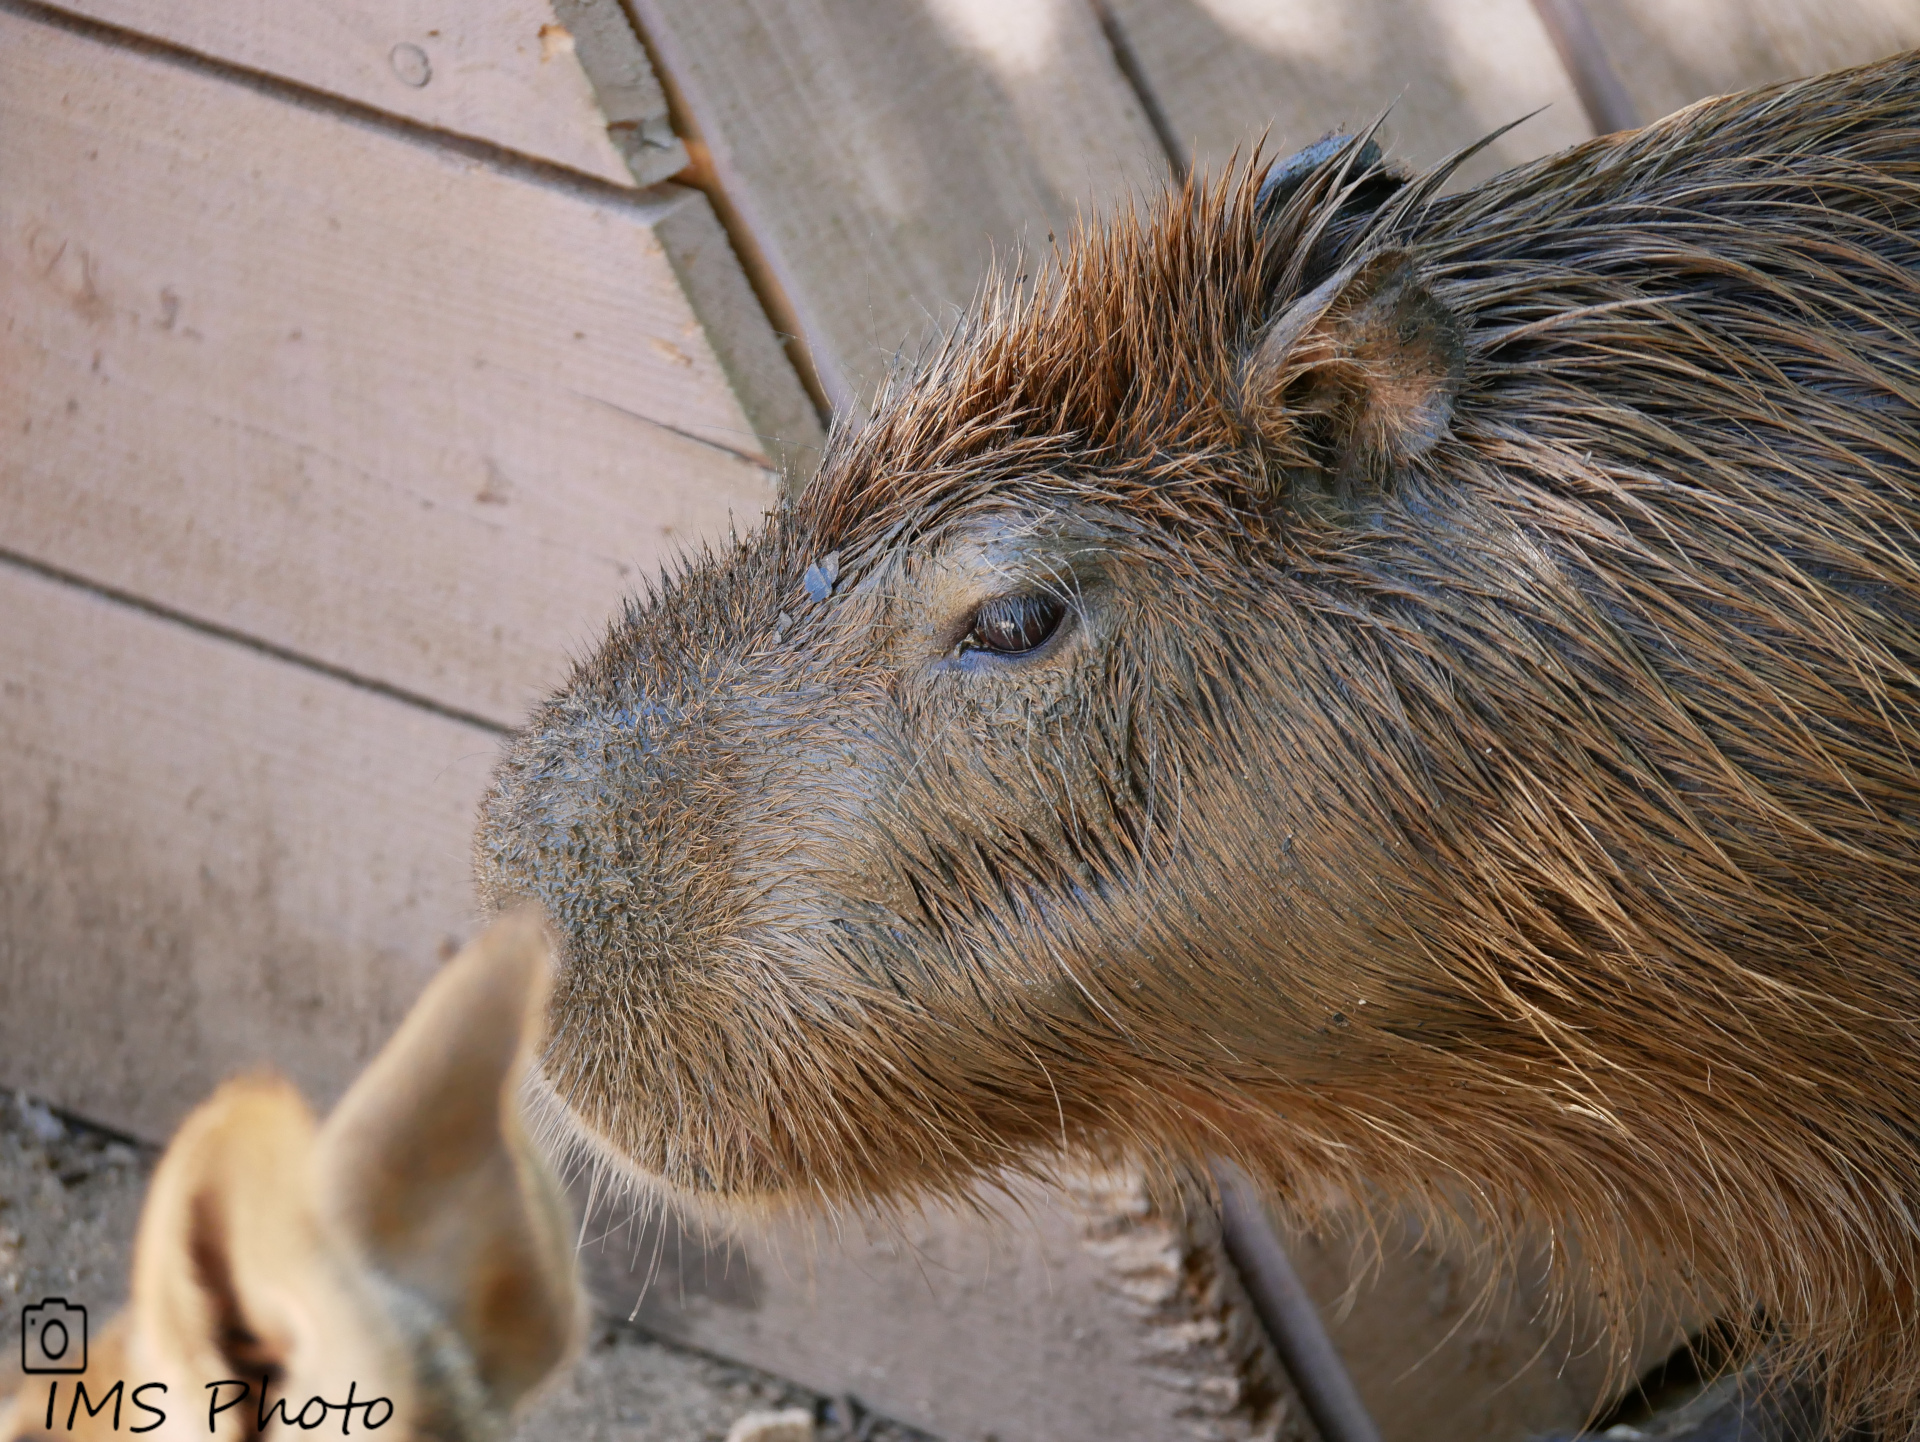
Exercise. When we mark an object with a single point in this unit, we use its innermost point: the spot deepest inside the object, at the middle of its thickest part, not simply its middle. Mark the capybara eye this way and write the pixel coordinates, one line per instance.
(1010, 625)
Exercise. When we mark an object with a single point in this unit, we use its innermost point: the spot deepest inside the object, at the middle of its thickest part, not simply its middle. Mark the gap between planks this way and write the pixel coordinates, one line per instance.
(514, 164)
(200, 626)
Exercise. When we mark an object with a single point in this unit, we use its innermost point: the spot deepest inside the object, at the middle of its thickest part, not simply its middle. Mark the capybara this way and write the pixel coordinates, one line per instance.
(403, 1271)
(1413, 692)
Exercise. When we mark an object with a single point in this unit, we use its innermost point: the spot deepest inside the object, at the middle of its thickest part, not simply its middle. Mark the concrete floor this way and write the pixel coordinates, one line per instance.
(69, 1202)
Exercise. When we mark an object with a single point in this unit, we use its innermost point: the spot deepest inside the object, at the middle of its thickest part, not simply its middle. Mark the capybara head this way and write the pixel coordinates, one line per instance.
(1414, 692)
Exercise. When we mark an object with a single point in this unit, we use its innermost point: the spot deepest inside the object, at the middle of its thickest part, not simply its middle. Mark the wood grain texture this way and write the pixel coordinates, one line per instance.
(412, 415)
(1096, 1312)
(879, 155)
(785, 424)
(1446, 72)
(209, 859)
(562, 80)
(1059, 1317)
(1669, 55)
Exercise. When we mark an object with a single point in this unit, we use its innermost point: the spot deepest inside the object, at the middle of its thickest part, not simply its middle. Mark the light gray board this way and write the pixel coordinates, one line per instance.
(880, 155)
(1444, 1349)
(785, 424)
(562, 80)
(210, 859)
(1061, 1316)
(1669, 55)
(419, 417)
(1445, 72)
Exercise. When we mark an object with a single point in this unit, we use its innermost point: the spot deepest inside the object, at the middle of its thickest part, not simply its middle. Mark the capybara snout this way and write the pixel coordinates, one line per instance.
(1418, 693)
(744, 822)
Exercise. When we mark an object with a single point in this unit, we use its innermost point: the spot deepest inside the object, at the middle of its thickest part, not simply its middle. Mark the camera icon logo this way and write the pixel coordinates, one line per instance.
(53, 1337)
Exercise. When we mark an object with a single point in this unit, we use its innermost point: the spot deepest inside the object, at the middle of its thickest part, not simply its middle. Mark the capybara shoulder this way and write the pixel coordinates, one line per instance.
(1416, 692)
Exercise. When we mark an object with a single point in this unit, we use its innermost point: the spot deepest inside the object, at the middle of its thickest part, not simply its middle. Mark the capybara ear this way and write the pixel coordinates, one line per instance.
(1356, 378)
(236, 1280)
(1364, 173)
(426, 1165)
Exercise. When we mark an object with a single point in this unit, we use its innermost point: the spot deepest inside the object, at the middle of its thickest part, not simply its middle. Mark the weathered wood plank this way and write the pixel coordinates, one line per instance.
(1451, 71)
(209, 859)
(561, 80)
(413, 415)
(879, 154)
(1098, 1314)
(1063, 1317)
(1443, 1349)
(764, 381)
(1669, 55)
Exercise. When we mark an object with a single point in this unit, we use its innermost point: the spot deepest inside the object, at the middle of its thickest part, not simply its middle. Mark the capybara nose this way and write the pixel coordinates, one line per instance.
(602, 819)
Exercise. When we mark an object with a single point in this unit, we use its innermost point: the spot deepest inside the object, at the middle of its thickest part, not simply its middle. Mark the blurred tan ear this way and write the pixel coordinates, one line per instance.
(235, 1276)
(415, 1250)
(1364, 368)
(425, 1163)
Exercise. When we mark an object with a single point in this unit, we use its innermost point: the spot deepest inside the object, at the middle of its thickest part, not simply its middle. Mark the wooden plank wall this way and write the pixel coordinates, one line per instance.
(334, 362)
(381, 414)
(881, 154)
(1100, 1314)
(507, 71)
(1669, 55)
(1110, 1316)
(211, 858)
(1444, 72)
(355, 360)
(879, 158)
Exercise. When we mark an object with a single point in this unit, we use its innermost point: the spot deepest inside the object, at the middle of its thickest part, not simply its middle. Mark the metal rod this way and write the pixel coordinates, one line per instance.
(1601, 94)
(1288, 1313)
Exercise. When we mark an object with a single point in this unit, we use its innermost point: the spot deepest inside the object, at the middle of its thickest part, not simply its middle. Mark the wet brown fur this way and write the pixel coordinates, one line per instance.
(1528, 815)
